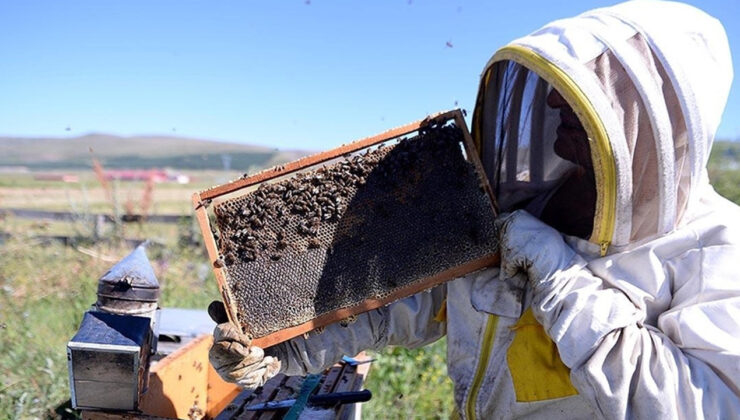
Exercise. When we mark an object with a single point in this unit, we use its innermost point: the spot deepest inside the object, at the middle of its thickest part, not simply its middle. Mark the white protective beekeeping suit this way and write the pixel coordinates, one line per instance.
(642, 320)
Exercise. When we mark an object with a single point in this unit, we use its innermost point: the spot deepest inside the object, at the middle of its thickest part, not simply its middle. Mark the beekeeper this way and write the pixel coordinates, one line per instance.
(618, 293)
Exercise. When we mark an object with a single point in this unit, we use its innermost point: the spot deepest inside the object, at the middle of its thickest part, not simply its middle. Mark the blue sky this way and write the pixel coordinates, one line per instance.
(290, 74)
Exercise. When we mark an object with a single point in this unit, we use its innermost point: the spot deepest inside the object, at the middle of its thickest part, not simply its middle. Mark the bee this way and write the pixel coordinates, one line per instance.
(219, 262)
(303, 227)
(347, 321)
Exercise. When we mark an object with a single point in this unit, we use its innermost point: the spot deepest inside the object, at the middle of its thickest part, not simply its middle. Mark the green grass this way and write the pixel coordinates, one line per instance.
(44, 291)
(408, 384)
(727, 183)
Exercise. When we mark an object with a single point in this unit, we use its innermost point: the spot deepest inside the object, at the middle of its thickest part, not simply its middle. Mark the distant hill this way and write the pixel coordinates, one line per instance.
(136, 152)
(144, 152)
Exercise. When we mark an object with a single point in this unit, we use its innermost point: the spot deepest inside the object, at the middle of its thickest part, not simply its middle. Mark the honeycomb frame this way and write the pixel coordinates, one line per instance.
(203, 200)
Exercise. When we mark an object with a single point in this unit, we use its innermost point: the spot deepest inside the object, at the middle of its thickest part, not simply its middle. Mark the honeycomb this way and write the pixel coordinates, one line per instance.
(357, 228)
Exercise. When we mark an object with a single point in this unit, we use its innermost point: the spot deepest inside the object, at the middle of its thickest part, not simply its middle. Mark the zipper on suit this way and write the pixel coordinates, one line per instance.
(485, 354)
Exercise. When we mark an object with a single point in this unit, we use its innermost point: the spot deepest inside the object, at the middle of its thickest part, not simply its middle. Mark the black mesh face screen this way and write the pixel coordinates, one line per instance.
(352, 230)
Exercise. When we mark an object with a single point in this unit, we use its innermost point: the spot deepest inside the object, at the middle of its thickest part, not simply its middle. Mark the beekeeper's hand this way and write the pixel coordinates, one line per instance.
(233, 356)
(530, 246)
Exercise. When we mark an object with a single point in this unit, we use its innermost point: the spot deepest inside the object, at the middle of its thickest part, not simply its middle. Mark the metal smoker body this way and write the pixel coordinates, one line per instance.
(108, 357)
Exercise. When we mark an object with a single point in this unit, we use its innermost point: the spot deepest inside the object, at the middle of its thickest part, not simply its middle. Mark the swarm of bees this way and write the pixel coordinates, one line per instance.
(357, 227)
(287, 215)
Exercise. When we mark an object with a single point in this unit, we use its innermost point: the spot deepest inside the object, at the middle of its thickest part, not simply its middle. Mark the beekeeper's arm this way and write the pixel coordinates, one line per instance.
(409, 323)
(624, 368)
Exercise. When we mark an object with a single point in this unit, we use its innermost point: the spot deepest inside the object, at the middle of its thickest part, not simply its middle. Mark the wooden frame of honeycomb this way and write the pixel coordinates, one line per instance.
(222, 264)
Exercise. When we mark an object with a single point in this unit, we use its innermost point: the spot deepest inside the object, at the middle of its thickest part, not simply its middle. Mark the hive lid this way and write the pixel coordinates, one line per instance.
(111, 329)
(132, 278)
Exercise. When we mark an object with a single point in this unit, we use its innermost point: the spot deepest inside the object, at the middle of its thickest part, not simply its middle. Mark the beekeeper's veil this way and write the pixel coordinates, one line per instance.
(647, 79)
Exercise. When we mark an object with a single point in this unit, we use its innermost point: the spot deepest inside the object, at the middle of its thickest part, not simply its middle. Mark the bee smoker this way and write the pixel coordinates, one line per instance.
(108, 358)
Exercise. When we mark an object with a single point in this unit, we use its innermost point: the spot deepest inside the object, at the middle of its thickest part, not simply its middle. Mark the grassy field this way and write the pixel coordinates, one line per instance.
(21, 190)
(724, 169)
(46, 287)
(44, 290)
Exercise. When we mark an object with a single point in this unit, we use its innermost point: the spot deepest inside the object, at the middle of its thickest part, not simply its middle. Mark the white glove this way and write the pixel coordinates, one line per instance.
(236, 360)
(532, 247)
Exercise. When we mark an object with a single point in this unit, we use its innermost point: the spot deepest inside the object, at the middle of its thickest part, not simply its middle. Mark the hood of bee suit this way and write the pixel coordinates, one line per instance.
(647, 79)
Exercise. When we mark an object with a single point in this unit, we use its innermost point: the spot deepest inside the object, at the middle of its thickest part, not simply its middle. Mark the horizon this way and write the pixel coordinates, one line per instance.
(296, 75)
(214, 140)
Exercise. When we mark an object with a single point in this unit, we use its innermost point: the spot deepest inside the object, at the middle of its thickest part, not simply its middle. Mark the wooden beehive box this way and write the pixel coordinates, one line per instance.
(348, 230)
(182, 385)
